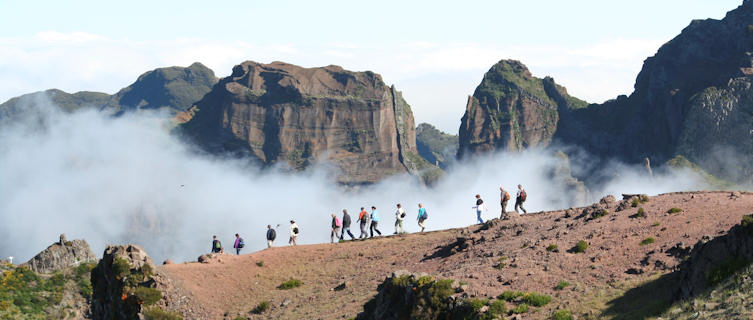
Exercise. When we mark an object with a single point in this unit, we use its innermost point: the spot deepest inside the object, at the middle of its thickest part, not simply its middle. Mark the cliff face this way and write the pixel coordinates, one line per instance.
(436, 146)
(692, 98)
(282, 113)
(512, 110)
(62, 255)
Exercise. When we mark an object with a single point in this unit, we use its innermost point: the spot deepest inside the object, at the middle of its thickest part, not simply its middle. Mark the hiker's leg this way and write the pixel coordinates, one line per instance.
(237, 251)
(478, 216)
(517, 204)
(521, 207)
(371, 229)
(376, 224)
(350, 234)
(396, 224)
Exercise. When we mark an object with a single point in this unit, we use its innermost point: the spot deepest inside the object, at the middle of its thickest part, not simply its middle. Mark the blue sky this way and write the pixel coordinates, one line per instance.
(434, 51)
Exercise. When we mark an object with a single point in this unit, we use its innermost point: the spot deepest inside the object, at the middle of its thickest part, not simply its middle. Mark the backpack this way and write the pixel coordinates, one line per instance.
(402, 215)
(272, 234)
(295, 230)
(507, 196)
(218, 245)
(241, 244)
(337, 222)
(426, 215)
(522, 195)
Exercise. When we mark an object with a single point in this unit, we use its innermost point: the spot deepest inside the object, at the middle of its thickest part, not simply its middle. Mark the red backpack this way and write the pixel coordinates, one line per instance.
(523, 195)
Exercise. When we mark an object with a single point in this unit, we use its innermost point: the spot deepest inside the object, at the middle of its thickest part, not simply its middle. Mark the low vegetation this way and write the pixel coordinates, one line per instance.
(536, 300)
(24, 294)
(562, 285)
(648, 241)
(147, 296)
(562, 315)
(656, 224)
(551, 248)
(521, 308)
(290, 284)
(259, 263)
(747, 224)
(674, 210)
(156, 313)
(261, 307)
(510, 295)
(725, 270)
(501, 263)
(580, 247)
(599, 213)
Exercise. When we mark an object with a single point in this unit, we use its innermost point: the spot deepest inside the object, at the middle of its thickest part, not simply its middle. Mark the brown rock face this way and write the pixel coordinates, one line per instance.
(282, 113)
(512, 110)
(116, 279)
(61, 255)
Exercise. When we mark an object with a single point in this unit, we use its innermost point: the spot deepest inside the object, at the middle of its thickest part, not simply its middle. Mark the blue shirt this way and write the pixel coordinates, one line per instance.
(374, 216)
(421, 212)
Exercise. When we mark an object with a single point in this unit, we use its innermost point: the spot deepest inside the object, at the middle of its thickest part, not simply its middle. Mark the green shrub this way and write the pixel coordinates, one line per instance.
(648, 240)
(656, 224)
(641, 213)
(674, 210)
(636, 202)
(644, 198)
(290, 284)
(500, 263)
(259, 263)
(261, 307)
(747, 223)
(536, 300)
(521, 308)
(476, 304)
(147, 296)
(562, 315)
(724, 270)
(551, 247)
(562, 285)
(121, 267)
(599, 213)
(510, 295)
(498, 307)
(580, 247)
(156, 313)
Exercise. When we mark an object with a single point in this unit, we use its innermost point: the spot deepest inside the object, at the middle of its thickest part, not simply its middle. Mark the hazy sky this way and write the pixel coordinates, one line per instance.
(434, 51)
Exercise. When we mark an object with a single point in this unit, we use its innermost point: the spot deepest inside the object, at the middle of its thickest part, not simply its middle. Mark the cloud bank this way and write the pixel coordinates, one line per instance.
(128, 180)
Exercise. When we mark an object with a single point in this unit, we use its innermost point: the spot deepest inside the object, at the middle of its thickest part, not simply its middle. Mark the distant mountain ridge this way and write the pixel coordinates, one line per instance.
(693, 98)
(170, 90)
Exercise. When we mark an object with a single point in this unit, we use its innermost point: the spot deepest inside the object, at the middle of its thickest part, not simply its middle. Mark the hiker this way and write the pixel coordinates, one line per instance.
(480, 207)
(399, 217)
(336, 224)
(363, 218)
(216, 245)
(271, 235)
(504, 196)
(422, 216)
(520, 198)
(239, 244)
(374, 221)
(293, 233)
(346, 226)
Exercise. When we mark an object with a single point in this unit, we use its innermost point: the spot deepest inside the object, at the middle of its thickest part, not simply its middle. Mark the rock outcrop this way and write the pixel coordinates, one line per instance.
(280, 113)
(123, 283)
(62, 255)
(692, 98)
(512, 110)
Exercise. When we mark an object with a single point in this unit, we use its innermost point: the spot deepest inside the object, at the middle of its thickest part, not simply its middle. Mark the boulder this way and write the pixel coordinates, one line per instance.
(62, 255)
(119, 273)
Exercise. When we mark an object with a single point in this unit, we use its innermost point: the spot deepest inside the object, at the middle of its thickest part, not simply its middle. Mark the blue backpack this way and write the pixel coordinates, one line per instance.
(241, 244)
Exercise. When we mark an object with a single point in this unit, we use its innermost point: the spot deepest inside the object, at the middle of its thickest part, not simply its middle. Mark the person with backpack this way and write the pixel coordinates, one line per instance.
(271, 235)
(520, 198)
(363, 218)
(294, 231)
(480, 207)
(336, 224)
(346, 226)
(399, 217)
(504, 196)
(216, 245)
(422, 216)
(374, 221)
(239, 244)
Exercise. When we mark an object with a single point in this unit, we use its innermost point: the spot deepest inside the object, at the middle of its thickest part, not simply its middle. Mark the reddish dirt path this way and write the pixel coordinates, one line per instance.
(235, 285)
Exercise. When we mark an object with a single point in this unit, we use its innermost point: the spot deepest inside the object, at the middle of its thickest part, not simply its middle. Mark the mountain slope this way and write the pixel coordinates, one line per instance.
(435, 146)
(490, 259)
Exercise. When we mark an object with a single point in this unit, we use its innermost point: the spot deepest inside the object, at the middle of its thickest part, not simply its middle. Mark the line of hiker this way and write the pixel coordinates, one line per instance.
(504, 197)
(369, 222)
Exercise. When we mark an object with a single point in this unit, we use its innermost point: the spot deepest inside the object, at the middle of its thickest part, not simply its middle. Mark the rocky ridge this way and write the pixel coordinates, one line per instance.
(62, 255)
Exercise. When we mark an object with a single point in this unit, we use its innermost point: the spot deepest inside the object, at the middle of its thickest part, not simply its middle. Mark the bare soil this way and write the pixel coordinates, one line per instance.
(615, 261)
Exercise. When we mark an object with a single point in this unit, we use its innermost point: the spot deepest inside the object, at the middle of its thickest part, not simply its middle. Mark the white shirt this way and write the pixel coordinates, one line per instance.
(292, 226)
(399, 213)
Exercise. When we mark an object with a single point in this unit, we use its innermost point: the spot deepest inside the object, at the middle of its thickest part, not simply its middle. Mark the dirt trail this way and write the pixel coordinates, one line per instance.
(235, 285)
